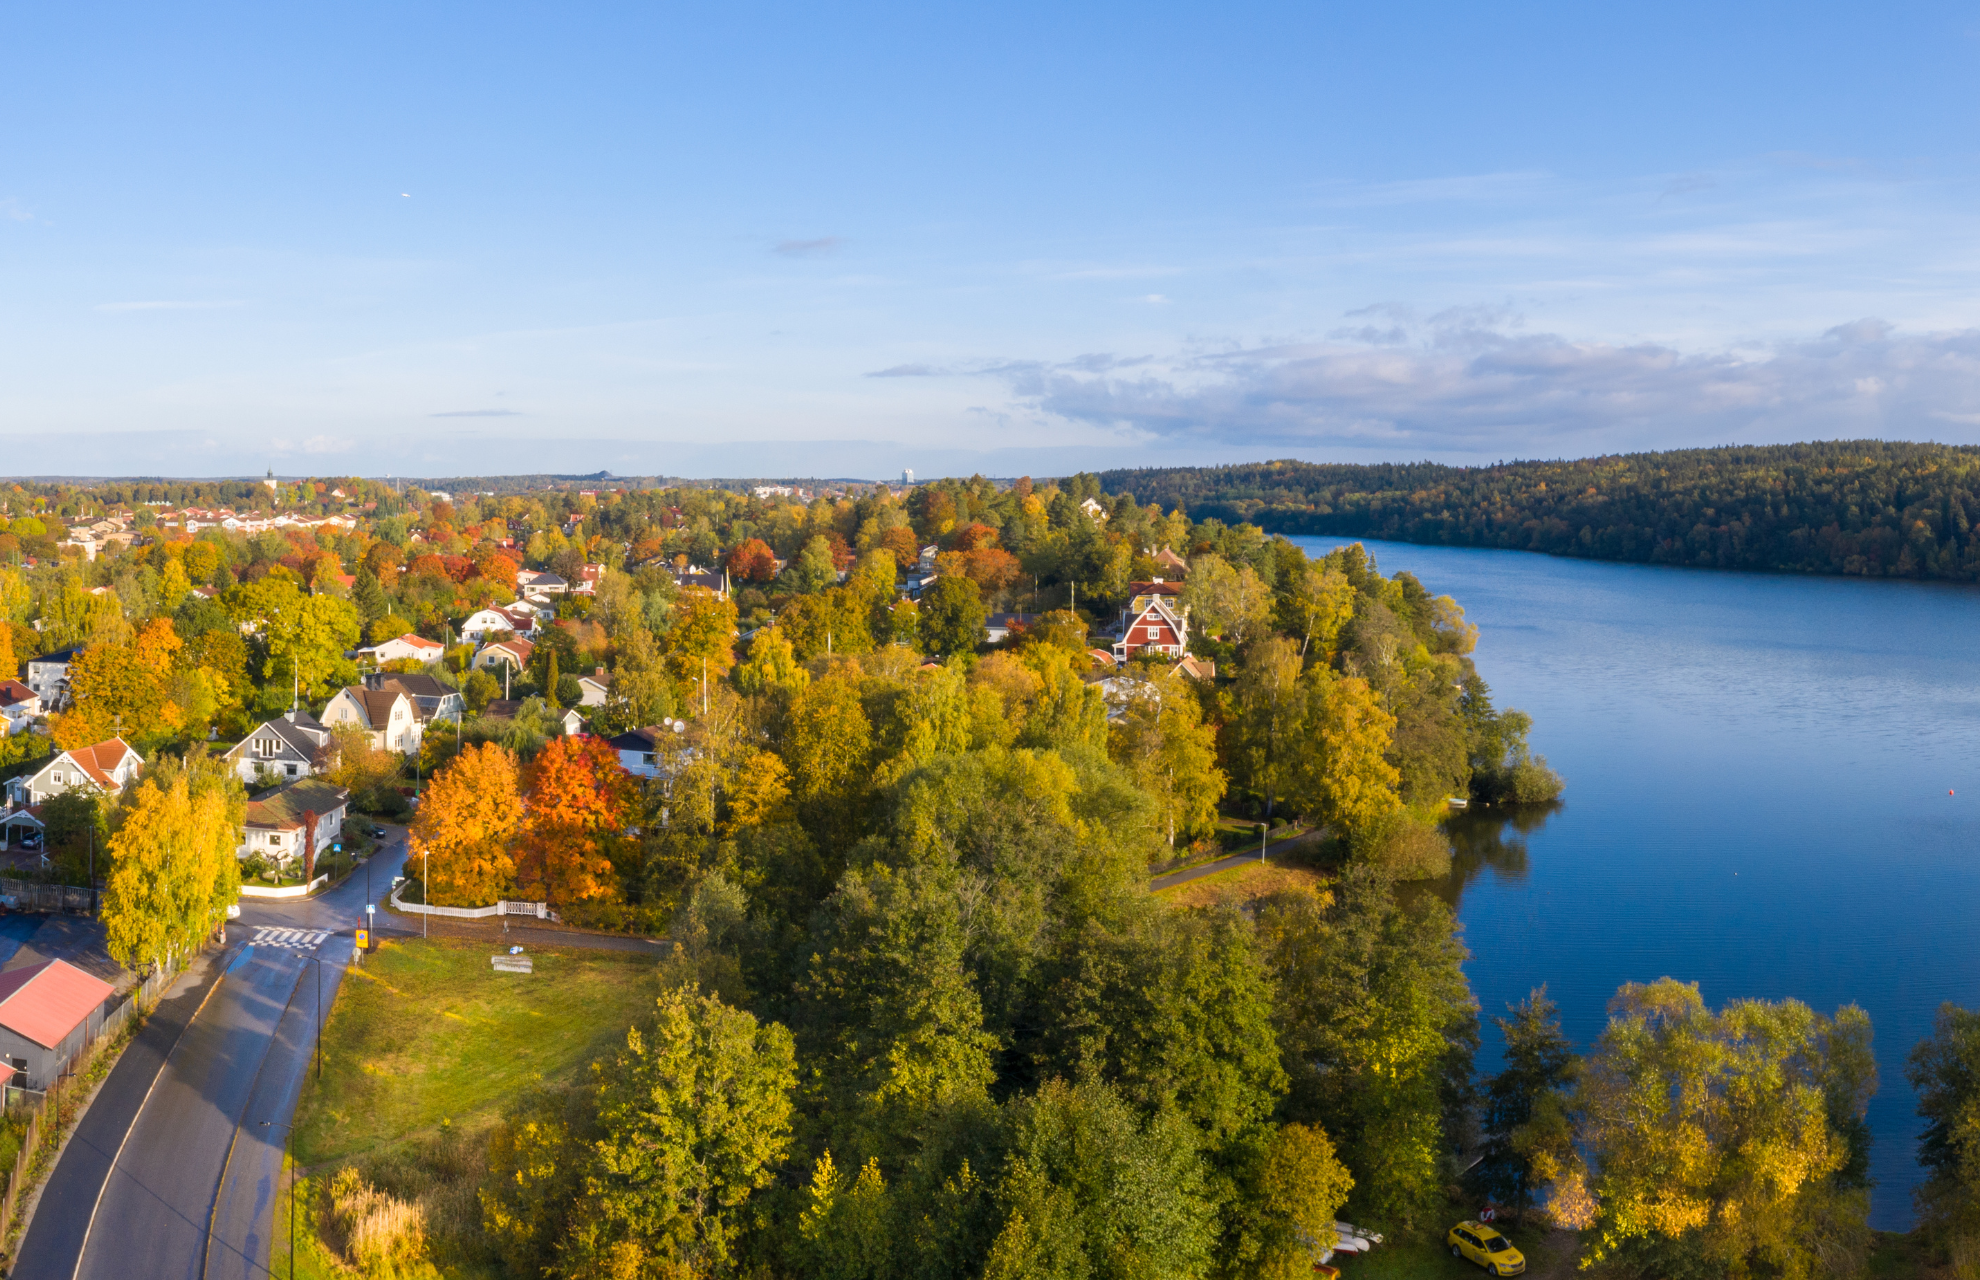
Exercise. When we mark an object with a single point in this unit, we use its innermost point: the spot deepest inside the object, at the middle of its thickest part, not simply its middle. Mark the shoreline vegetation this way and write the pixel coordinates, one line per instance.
(920, 1015)
(1861, 508)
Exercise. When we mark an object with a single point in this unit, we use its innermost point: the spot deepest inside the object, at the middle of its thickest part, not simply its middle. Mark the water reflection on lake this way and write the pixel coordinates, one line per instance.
(1757, 772)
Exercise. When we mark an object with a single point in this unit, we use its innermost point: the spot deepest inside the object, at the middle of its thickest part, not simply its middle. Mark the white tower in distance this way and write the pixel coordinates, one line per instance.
(907, 478)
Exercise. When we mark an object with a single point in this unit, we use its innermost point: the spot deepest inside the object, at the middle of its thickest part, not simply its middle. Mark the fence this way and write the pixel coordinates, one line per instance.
(32, 895)
(44, 1116)
(541, 910)
(286, 891)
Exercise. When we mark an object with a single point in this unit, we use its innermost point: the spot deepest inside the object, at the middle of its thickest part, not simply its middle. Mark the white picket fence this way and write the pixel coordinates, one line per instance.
(540, 910)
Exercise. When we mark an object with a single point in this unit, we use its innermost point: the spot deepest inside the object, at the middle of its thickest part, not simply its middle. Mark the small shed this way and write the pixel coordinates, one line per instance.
(49, 1013)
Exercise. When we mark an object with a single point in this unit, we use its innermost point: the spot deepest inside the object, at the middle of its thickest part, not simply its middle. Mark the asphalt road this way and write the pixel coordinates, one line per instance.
(172, 1173)
(191, 1190)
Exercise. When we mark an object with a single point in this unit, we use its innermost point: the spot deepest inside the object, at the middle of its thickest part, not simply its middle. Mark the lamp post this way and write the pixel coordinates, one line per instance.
(1262, 828)
(425, 899)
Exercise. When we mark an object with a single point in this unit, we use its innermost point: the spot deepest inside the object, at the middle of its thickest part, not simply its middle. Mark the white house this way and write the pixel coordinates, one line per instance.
(278, 823)
(541, 583)
(418, 648)
(588, 579)
(597, 687)
(485, 623)
(48, 676)
(386, 714)
(294, 746)
(108, 766)
(431, 700)
(19, 704)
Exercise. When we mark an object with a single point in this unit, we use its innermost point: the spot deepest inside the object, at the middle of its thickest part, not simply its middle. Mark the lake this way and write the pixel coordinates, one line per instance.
(1757, 775)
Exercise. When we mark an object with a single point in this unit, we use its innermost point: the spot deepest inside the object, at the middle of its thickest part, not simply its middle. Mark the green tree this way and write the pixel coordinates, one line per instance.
(307, 638)
(1342, 774)
(1945, 1070)
(951, 617)
(811, 570)
(1376, 1028)
(693, 1116)
(1092, 1190)
(1539, 1063)
(551, 683)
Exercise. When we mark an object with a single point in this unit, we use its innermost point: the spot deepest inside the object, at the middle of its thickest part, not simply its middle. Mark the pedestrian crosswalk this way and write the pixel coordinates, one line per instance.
(297, 939)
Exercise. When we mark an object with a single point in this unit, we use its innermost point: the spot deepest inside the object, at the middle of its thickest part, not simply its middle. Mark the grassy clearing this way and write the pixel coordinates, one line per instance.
(1242, 884)
(424, 1032)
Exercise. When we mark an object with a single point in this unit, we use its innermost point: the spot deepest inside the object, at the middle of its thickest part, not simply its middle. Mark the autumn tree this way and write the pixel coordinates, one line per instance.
(173, 869)
(702, 640)
(1342, 775)
(752, 561)
(467, 822)
(1539, 1064)
(1266, 731)
(1715, 1140)
(1233, 602)
(1162, 741)
(580, 803)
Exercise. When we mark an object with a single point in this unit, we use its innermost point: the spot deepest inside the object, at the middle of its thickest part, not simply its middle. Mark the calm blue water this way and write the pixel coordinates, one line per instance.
(1757, 771)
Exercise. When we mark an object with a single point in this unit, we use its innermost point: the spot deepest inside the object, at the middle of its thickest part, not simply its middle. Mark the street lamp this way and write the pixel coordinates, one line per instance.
(425, 898)
(1262, 828)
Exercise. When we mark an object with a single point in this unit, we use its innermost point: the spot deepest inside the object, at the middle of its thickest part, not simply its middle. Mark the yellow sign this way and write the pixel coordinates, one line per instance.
(363, 939)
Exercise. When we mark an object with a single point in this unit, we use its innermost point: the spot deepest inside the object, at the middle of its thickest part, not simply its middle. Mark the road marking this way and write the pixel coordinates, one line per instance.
(295, 939)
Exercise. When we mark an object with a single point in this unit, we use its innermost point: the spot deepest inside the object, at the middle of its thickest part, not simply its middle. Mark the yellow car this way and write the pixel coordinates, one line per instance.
(1486, 1247)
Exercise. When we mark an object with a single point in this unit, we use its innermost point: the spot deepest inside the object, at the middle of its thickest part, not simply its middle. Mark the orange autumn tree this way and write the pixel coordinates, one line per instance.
(466, 824)
(580, 804)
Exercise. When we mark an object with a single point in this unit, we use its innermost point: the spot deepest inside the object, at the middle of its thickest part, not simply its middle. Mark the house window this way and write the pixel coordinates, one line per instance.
(292, 771)
(264, 746)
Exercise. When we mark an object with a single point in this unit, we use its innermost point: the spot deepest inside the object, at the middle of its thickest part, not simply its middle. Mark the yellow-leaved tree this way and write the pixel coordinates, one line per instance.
(466, 822)
(1343, 776)
(173, 867)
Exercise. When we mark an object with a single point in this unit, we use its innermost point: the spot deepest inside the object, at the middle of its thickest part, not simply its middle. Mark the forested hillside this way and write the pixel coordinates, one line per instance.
(1867, 507)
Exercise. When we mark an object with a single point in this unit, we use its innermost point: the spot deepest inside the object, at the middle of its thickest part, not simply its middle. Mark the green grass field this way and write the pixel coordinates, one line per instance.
(425, 1031)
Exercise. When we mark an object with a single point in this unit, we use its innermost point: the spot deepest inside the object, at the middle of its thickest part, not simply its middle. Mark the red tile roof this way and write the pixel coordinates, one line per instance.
(13, 693)
(46, 1001)
(100, 761)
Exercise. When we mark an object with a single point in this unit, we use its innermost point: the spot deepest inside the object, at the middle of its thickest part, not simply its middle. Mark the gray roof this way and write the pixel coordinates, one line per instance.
(293, 734)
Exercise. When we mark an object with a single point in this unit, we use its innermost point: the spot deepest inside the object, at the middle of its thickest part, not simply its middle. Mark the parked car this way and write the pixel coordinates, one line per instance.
(32, 840)
(376, 832)
(1476, 1242)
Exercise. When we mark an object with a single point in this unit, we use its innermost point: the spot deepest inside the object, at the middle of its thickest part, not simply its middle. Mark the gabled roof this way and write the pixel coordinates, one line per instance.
(518, 647)
(283, 808)
(413, 686)
(641, 740)
(46, 1001)
(409, 639)
(60, 655)
(299, 732)
(13, 693)
(376, 704)
(100, 761)
(601, 677)
(1159, 587)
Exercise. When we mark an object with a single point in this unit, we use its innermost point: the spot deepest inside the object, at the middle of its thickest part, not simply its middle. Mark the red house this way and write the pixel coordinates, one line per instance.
(1156, 626)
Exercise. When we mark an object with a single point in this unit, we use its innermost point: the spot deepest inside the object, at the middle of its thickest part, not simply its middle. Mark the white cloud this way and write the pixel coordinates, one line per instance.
(1466, 380)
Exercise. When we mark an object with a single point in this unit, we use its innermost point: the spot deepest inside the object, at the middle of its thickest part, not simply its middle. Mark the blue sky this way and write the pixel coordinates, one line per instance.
(841, 240)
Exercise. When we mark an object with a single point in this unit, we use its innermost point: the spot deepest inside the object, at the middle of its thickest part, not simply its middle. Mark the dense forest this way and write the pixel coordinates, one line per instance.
(1863, 507)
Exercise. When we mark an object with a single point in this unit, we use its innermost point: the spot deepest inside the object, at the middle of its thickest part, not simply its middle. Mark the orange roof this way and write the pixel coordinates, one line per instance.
(100, 761)
(13, 693)
(46, 1001)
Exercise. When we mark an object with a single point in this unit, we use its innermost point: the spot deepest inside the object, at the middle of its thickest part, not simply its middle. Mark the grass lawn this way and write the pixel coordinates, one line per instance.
(425, 1031)
(1242, 883)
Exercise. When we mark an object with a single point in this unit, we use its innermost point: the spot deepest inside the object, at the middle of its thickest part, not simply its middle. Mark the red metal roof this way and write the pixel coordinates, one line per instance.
(46, 1001)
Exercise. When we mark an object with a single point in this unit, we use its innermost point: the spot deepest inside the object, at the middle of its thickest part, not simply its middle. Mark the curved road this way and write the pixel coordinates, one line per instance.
(191, 1169)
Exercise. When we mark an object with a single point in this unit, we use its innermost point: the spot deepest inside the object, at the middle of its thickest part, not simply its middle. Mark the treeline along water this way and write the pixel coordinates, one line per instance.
(1758, 771)
(1868, 508)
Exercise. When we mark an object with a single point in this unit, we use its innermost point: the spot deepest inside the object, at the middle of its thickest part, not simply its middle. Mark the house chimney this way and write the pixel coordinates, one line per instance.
(598, 671)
